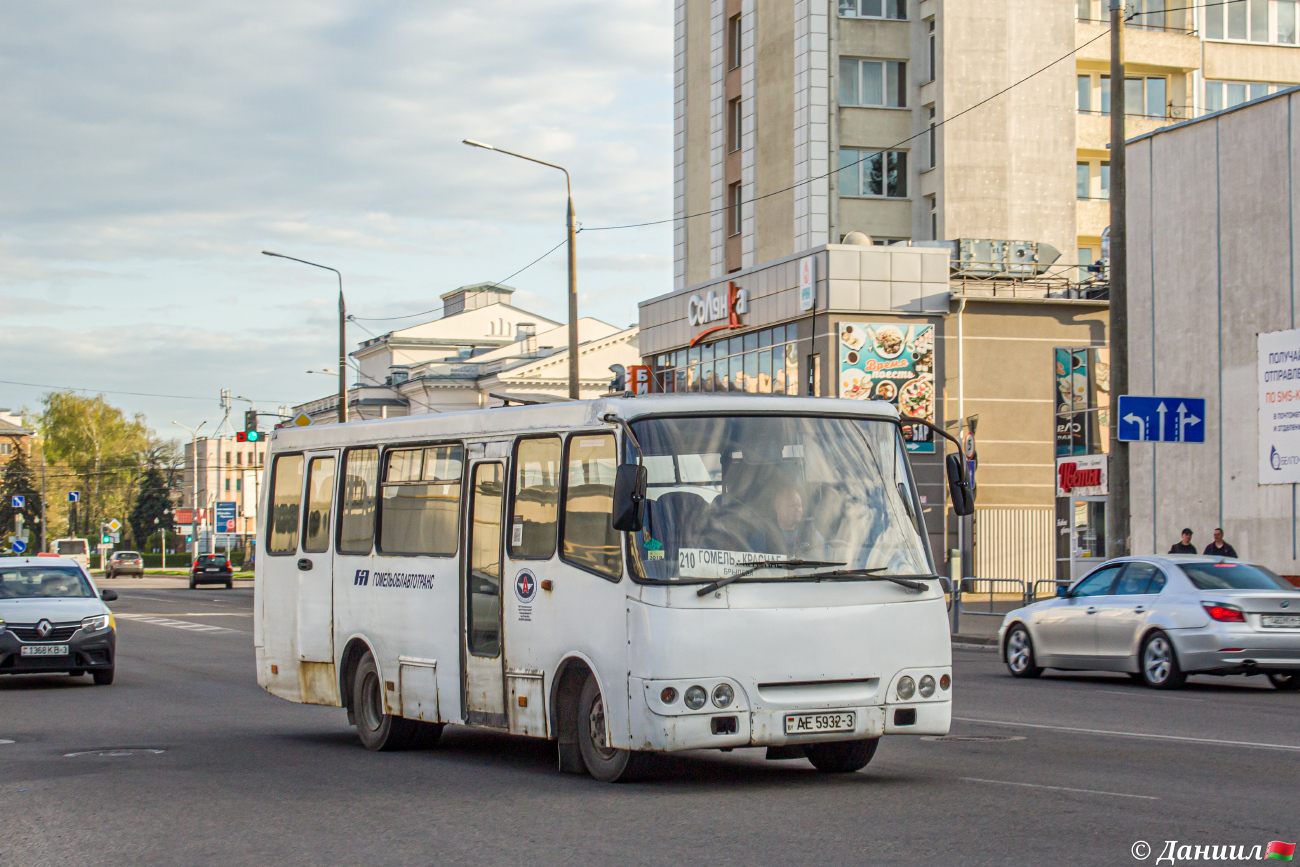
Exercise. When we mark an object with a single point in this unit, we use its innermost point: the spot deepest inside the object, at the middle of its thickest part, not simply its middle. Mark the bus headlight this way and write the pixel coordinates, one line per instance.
(668, 696)
(723, 695)
(906, 688)
(927, 686)
(95, 624)
(696, 697)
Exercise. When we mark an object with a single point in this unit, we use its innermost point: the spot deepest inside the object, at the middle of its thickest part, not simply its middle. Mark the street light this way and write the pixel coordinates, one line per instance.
(343, 386)
(194, 456)
(573, 277)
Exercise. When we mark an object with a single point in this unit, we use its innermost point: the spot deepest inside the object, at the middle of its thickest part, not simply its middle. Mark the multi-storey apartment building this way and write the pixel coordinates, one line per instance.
(773, 96)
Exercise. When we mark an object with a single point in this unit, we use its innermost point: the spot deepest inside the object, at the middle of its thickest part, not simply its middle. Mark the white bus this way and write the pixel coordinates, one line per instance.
(623, 576)
(73, 549)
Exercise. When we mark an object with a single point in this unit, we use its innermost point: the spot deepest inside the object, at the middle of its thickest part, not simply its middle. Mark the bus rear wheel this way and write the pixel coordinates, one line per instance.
(842, 757)
(377, 730)
(604, 762)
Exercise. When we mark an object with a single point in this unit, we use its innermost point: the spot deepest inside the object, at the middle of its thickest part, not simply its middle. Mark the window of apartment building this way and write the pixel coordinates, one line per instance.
(873, 82)
(1103, 173)
(239, 458)
(1085, 257)
(934, 217)
(895, 9)
(1103, 92)
(228, 461)
(934, 134)
(734, 199)
(1083, 180)
(733, 43)
(1084, 10)
(1085, 93)
(1225, 94)
(1253, 21)
(1145, 96)
(239, 484)
(6, 448)
(733, 125)
(227, 484)
(934, 61)
(873, 173)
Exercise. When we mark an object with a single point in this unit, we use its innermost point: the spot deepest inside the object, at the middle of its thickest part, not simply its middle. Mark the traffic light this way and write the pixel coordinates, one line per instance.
(250, 433)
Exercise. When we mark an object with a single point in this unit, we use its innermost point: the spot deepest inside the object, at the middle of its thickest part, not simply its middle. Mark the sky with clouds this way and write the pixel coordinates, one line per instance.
(152, 150)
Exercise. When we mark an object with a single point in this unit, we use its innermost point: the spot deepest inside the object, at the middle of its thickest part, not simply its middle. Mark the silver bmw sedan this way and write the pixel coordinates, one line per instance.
(1160, 619)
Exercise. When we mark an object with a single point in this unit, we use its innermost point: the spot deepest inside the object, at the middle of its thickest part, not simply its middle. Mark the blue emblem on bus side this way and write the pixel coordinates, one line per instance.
(362, 578)
(525, 586)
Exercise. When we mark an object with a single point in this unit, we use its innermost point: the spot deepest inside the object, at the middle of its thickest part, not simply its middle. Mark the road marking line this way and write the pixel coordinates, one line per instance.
(191, 614)
(1059, 788)
(1140, 735)
(1149, 694)
(176, 624)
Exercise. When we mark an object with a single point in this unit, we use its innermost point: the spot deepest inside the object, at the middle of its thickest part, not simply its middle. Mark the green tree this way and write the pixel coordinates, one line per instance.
(18, 481)
(152, 502)
(95, 446)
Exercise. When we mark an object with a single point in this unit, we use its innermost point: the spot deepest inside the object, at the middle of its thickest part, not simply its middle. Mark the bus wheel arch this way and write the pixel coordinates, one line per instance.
(356, 648)
(566, 691)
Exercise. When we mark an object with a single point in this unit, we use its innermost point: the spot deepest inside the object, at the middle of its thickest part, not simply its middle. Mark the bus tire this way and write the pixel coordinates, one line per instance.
(605, 763)
(842, 757)
(377, 730)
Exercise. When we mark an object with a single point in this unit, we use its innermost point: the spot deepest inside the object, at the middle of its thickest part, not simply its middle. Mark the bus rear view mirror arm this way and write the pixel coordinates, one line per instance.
(963, 499)
(629, 497)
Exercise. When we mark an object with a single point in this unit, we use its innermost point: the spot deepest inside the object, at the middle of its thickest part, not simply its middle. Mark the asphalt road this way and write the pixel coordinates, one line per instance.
(185, 760)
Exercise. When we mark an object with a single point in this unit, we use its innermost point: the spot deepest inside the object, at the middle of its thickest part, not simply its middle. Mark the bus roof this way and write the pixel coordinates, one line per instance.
(566, 415)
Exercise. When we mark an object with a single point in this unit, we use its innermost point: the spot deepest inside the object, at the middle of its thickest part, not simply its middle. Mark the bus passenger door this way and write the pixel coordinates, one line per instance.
(481, 649)
(316, 564)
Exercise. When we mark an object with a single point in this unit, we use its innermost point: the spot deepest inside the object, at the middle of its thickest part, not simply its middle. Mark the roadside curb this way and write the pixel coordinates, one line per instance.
(975, 642)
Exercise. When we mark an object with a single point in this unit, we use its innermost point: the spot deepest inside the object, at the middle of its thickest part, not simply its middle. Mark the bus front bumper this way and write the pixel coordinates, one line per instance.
(744, 727)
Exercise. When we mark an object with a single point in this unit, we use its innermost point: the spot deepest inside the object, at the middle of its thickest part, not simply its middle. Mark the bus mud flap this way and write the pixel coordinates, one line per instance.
(318, 683)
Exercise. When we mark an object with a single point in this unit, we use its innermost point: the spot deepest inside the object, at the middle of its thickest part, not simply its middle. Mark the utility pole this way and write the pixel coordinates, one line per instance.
(1117, 507)
(343, 315)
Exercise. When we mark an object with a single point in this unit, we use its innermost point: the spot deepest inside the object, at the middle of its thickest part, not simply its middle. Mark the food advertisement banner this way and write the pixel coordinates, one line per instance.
(894, 363)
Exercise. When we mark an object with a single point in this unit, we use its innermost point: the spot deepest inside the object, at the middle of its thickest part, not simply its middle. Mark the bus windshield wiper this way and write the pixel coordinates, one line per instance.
(869, 574)
(761, 564)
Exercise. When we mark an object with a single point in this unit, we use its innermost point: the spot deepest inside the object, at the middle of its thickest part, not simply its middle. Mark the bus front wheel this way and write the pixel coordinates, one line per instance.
(841, 757)
(378, 730)
(604, 762)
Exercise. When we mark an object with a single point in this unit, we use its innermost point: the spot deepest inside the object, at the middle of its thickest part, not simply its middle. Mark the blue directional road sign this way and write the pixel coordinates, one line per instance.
(1161, 419)
(18, 501)
(74, 496)
(19, 546)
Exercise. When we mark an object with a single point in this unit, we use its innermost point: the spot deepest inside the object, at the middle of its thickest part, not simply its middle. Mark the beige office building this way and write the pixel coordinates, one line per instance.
(774, 95)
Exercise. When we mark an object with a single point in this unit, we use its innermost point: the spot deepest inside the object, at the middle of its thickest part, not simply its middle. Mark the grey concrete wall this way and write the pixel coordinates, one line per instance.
(774, 113)
(1211, 264)
(1009, 166)
(697, 139)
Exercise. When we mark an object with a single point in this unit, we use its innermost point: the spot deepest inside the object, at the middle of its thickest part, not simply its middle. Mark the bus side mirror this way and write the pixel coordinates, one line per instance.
(629, 497)
(963, 501)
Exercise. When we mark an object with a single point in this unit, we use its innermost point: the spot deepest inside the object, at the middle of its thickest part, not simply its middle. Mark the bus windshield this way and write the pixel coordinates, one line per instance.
(728, 492)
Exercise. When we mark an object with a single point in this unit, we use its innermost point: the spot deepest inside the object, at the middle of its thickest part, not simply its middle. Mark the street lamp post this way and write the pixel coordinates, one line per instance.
(343, 312)
(194, 456)
(573, 275)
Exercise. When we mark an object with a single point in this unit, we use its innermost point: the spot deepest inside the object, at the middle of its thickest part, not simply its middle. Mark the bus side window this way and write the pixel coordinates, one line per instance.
(286, 498)
(419, 512)
(537, 498)
(357, 511)
(590, 540)
(320, 505)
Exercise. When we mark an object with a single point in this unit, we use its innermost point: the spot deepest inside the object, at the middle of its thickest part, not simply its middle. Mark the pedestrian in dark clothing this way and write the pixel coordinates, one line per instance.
(1185, 546)
(1220, 548)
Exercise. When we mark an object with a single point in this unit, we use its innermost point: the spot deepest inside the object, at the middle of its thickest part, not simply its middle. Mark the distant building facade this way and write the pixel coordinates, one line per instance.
(481, 348)
(14, 436)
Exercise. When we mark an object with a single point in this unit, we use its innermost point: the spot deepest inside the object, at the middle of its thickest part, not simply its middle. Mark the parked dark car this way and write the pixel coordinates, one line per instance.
(211, 569)
(124, 563)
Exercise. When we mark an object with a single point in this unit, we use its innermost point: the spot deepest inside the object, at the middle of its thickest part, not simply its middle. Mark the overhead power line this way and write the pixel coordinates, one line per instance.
(359, 319)
(111, 391)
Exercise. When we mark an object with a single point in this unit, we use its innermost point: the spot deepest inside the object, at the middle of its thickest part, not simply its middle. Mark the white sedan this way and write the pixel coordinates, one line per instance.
(1160, 619)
